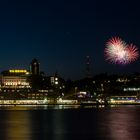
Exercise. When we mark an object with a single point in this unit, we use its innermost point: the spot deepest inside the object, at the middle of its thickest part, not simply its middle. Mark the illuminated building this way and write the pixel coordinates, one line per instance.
(14, 80)
(54, 80)
(57, 85)
(15, 85)
(15, 72)
(35, 67)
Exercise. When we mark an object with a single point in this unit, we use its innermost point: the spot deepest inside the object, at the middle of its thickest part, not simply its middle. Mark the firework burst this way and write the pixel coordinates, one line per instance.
(132, 52)
(117, 51)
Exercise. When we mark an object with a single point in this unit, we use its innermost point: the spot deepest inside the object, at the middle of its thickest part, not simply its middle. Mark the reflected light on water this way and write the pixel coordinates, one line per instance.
(59, 126)
(122, 124)
(18, 126)
(69, 122)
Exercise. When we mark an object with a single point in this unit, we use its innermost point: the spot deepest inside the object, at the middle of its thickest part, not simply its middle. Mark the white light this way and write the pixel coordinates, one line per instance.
(60, 100)
(45, 100)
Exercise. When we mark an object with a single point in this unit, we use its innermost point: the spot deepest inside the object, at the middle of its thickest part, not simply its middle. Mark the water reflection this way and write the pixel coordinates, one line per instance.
(51, 123)
(17, 126)
(122, 123)
(40, 107)
(58, 126)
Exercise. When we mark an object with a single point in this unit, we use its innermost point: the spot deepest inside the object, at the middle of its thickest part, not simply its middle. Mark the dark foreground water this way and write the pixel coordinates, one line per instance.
(70, 123)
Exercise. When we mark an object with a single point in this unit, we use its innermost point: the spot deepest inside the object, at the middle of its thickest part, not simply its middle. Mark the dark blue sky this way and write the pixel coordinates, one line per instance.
(60, 33)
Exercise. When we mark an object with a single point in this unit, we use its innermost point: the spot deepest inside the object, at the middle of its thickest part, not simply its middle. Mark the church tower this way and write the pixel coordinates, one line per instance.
(35, 67)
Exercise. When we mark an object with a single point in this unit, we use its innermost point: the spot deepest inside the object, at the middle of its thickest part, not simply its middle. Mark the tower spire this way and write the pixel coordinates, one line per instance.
(88, 66)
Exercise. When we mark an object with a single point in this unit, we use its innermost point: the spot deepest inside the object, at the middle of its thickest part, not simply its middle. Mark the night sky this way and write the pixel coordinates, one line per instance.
(61, 33)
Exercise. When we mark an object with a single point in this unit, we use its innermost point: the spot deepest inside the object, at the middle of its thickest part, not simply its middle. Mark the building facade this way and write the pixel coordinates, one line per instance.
(14, 81)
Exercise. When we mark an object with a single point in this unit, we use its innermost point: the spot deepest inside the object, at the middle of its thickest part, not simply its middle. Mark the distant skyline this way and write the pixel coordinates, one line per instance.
(60, 34)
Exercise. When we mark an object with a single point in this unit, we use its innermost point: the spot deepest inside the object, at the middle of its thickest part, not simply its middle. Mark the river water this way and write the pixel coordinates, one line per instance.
(69, 123)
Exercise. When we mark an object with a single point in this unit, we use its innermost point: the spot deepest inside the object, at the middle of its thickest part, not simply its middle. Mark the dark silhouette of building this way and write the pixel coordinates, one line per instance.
(88, 67)
(35, 67)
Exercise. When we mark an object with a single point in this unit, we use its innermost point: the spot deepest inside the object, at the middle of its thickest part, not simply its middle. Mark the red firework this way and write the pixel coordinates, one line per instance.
(115, 41)
(118, 52)
(133, 52)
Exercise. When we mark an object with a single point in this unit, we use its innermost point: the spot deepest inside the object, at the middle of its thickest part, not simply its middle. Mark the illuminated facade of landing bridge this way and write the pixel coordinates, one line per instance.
(22, 96)
(38, 102)
(123, 100)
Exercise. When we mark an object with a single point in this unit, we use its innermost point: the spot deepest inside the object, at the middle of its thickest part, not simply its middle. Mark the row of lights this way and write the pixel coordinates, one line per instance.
(17, 83)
